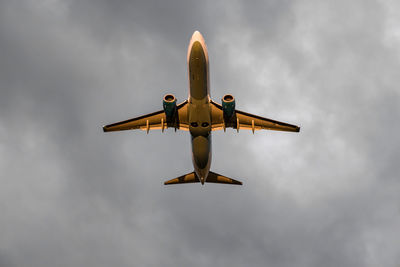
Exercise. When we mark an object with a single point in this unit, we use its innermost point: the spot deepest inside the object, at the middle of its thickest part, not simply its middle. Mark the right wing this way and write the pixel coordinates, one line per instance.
(246, 121)
(152, 121)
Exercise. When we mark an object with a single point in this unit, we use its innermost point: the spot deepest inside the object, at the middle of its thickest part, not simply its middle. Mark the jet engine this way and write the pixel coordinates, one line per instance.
(169, 105)
(228, 105)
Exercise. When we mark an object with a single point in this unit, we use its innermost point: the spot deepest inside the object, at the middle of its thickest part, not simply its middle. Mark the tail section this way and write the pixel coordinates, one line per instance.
(220, 179)
(211, 178)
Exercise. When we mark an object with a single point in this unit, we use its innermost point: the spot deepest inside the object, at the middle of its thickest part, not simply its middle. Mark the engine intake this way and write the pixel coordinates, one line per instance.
(228, 105)
(169, 105)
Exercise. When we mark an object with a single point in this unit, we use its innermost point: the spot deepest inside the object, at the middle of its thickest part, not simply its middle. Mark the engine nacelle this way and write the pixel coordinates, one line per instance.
(228, 105)
(169, 105)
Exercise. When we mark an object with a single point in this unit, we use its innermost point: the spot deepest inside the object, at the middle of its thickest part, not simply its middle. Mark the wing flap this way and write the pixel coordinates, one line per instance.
(253, 122)
(152, 120)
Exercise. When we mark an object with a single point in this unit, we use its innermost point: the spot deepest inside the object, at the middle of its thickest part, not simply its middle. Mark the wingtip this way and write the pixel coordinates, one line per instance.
(169, 182)
(236, 182)
(104, 129)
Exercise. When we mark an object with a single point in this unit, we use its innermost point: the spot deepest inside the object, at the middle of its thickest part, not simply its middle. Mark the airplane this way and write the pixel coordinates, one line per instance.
(200, 115)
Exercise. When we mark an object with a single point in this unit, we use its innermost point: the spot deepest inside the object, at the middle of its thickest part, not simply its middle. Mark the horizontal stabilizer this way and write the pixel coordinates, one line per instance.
(187, 178)
(220, 179)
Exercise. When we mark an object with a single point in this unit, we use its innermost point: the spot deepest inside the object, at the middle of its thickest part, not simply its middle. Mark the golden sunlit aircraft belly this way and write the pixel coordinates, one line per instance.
(199, 110)
(198, 72)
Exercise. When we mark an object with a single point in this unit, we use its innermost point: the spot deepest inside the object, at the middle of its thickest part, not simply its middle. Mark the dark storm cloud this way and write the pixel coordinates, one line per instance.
(72, 195)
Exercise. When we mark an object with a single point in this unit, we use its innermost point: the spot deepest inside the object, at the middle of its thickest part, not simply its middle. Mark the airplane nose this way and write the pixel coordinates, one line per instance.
(197, 36)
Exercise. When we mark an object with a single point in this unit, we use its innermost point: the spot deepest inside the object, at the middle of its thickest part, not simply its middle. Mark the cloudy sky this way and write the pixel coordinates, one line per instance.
(71, 195)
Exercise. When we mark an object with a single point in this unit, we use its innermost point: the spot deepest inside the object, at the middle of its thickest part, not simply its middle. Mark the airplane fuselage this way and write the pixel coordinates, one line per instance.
(199, 109)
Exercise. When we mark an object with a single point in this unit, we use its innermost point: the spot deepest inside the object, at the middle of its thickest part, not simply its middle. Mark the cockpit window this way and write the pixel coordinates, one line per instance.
(194, 124)
(204, 124)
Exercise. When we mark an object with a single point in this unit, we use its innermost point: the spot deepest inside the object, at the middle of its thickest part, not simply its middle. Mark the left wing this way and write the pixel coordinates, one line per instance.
(152, 121)
(247, 121)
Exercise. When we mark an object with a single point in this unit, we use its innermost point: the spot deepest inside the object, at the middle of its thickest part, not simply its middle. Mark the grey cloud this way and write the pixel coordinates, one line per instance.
(72, 195)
